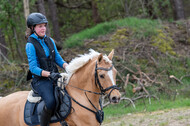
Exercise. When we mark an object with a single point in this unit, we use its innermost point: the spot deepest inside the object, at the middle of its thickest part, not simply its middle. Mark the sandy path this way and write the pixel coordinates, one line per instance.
(173, 117)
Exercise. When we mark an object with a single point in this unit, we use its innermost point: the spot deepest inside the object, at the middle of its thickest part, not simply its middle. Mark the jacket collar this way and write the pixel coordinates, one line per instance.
(36, 37)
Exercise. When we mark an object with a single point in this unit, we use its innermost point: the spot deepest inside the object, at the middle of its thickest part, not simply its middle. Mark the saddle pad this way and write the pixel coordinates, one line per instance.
(32, 111)
(33, 99)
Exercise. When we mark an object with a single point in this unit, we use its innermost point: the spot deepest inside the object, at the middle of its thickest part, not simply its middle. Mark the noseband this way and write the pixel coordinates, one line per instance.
(97, 81)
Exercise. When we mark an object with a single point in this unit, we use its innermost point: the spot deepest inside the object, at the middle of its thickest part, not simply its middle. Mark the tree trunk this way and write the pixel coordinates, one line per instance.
(26, 13)
(55, 23)
(178, 9)
(26, 8)
(126, 8)
(95, 14)
(41, 9)
(3, 46)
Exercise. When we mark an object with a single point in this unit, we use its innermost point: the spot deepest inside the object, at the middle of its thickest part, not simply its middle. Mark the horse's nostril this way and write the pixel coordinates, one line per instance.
(115, 99)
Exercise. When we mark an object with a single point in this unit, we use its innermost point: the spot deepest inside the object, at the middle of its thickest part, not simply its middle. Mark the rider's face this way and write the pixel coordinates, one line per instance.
(40, 29)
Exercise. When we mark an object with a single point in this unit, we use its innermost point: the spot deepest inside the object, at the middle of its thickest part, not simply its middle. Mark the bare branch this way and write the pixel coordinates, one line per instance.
(127, 80)
(176, 79)
(131, 101)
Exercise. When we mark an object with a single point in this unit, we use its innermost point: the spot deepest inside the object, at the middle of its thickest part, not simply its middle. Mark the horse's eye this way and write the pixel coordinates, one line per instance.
(101, 76)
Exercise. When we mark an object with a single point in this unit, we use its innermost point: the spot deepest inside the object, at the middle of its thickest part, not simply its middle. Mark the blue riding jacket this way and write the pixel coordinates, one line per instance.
(33, 60)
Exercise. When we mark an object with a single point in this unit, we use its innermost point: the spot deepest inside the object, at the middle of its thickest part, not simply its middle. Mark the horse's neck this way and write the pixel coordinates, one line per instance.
(84, 78)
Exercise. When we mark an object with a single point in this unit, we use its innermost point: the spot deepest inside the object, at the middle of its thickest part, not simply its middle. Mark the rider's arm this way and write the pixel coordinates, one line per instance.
(32, 59)
(58, 59)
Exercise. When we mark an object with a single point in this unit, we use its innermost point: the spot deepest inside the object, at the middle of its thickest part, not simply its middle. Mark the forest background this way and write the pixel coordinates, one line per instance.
(67, 17)
(151, 39)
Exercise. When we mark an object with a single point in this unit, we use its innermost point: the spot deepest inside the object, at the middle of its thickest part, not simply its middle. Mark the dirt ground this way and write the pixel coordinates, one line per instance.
(173, 117)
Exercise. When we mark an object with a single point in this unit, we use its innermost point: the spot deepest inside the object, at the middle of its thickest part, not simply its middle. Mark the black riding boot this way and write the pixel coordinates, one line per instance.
(45, 117)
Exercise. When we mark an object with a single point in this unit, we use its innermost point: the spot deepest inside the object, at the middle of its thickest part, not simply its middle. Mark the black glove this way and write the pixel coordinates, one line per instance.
(54, 76)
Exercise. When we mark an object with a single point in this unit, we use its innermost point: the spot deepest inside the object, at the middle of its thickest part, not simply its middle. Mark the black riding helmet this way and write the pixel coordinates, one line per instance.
(36, 18)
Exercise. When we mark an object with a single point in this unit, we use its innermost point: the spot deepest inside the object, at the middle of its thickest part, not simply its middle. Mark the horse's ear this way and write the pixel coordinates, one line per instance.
(110, 56)
(100, 57)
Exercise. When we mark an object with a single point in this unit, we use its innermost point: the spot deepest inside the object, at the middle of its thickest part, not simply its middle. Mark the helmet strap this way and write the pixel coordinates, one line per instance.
(36, 33)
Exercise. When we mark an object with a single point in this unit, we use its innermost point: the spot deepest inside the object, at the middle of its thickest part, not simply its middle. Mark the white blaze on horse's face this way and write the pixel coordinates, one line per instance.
(110, 74)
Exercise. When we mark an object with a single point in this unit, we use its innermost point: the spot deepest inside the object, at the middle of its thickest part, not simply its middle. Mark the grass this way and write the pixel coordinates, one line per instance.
(119, 110)
(142, 27)
(100, 29)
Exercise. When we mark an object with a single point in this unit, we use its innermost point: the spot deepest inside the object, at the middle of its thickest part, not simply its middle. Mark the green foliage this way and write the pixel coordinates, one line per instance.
(141, 27)
(174, 66)
(109, 9)
(162, 9)
(11, 23)
(74, 20)
(171, 95)
(100, 29)
(164, 42)
(13, 78)
(78, 15)
(166, 67)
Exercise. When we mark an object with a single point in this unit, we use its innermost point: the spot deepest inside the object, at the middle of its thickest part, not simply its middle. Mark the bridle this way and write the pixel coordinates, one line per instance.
(97, 81)
(99, 113)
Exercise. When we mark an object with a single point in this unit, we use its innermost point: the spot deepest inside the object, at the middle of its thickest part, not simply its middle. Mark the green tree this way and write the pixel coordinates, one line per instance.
(12, 20)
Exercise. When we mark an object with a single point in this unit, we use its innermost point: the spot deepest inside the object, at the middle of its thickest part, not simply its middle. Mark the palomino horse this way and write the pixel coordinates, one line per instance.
(89, 76)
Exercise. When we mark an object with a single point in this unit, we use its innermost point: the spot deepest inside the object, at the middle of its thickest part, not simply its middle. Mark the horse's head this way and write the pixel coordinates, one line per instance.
(105, 77)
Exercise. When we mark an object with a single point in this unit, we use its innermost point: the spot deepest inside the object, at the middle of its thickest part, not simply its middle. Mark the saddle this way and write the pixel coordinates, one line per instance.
(33, 109)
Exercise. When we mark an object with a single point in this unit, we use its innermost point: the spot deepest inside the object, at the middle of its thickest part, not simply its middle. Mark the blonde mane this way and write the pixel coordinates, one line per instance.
(80, 61)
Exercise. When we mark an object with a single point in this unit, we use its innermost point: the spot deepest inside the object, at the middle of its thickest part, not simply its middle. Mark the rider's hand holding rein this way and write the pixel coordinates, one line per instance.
(54, 76)
(47, 73)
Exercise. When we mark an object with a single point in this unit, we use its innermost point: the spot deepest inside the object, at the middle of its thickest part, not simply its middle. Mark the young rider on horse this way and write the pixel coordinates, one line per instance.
(42, 58)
